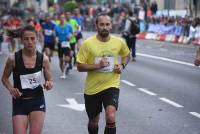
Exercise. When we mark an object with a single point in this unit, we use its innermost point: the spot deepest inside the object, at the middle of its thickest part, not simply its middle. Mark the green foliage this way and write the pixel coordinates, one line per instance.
(70, 5)
(80, 1)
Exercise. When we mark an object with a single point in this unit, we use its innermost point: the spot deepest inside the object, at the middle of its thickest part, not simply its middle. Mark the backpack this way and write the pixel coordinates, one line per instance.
(134, 28)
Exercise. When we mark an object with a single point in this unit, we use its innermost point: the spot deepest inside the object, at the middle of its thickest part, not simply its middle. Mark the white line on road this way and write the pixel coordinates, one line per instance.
(73, 104)
(195, 114)
(165, 59)
(128, 83)
(171, 102)
(147, 91)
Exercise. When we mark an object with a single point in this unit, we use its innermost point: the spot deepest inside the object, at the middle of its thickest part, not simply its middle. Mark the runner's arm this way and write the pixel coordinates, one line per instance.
(125, 60)
(47, 74)
(87, 67)
(5, 77)
(118, 68)
(90, 67)
(7, 72)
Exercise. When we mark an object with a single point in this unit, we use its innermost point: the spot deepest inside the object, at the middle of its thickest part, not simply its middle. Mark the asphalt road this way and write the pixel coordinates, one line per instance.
(160, 94)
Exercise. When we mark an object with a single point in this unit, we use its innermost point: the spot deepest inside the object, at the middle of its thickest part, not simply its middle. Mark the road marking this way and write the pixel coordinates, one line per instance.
(166, 59)
(147, 91)
(73, 104)
(195, 114)
(171, 102)
(128, 83)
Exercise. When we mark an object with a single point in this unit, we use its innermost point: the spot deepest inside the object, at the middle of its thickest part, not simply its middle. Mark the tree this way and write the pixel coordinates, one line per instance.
(70, 5)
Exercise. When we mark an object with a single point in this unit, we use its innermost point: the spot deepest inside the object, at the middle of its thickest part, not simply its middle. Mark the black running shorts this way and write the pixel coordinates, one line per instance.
(93, 103)
(26, 106)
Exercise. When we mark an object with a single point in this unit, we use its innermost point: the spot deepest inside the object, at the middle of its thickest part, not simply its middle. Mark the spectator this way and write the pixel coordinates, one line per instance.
(130, 37)
(154, 7)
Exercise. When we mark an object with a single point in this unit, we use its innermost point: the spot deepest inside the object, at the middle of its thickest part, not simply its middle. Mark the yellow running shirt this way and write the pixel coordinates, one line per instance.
(91, 51)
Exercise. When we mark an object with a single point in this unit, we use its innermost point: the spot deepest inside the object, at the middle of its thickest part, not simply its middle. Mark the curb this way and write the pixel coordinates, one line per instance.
(183, 40)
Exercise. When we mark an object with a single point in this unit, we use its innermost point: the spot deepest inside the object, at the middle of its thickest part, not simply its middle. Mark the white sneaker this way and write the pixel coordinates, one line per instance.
(63, 76)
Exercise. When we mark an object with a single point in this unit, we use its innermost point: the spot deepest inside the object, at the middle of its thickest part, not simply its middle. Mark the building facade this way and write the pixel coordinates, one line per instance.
(192, 6)
(23, 4)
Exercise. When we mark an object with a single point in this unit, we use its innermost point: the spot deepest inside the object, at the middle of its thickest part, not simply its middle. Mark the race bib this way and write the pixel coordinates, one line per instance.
(108, 68)
(48, 32)
(65, 44)
(31, 81)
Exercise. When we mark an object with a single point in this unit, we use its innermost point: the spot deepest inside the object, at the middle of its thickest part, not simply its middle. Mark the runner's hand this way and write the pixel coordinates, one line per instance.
(15, 92)
(48, 85)
(118, 68)
(103, 62)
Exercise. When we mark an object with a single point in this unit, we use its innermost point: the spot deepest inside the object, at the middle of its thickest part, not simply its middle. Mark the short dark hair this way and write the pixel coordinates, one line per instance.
(27, 28)
(99, 15)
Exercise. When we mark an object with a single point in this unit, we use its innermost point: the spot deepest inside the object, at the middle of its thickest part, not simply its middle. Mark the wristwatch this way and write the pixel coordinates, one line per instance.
(123, 65)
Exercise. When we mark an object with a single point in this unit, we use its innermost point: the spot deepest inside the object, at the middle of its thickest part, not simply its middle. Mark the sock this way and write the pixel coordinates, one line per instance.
(110, 128)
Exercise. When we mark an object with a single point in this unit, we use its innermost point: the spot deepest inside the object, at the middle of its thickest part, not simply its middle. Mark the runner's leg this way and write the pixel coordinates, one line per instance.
(36, 122)
(20, 124)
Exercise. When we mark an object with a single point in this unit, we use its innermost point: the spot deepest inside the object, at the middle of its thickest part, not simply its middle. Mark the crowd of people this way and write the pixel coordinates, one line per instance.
(60, 32)
(185, 27)
(148, 20)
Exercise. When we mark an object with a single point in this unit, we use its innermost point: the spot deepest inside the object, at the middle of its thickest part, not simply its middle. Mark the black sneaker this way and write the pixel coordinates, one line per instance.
(133, 60)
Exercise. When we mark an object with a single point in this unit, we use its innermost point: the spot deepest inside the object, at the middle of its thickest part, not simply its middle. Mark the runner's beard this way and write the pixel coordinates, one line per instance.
(104, 33)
